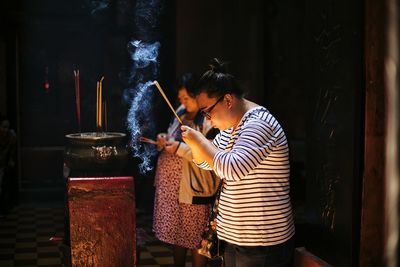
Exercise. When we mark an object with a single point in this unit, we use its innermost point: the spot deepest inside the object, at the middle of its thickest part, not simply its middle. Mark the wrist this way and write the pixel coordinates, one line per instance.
(177, 147)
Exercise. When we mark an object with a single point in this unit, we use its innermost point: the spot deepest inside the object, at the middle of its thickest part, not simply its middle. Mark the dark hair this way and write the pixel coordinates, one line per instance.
(188, 81)
(218, 82)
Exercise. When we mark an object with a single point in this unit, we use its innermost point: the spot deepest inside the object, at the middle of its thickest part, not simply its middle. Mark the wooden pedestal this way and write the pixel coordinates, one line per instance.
(303, 258)
(102, 221)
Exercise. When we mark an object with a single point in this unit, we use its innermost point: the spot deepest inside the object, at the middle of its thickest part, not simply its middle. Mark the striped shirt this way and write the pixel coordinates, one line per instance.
(253, 161)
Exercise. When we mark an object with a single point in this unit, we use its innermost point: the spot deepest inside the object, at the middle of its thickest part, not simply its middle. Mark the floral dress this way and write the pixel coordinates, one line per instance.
(173, 222)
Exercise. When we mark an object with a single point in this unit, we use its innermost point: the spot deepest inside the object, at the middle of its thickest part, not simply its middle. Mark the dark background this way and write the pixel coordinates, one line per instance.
(302, 59)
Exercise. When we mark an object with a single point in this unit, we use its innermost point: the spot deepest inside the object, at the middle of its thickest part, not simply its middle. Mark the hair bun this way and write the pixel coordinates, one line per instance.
(217, 66)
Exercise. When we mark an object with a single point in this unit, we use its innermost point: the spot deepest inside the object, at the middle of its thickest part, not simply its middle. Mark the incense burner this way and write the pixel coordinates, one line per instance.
(96, 153)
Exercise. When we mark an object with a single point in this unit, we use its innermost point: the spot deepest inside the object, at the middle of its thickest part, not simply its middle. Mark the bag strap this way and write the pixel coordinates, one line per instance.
(214, 210)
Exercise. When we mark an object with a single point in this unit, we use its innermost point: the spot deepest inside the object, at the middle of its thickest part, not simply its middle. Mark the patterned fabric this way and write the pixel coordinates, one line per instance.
(173, 222)
(176, 223)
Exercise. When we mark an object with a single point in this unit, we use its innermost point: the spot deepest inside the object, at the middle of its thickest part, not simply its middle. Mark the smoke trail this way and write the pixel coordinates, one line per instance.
(140, 119)
(140, 123)
(98, 5)
(144, 55)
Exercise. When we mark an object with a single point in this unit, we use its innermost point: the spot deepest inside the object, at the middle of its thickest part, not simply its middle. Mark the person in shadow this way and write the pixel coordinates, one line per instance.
(8, 179)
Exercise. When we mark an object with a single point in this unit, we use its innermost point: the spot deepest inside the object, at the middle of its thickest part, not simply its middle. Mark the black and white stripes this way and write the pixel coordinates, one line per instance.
(253, 160)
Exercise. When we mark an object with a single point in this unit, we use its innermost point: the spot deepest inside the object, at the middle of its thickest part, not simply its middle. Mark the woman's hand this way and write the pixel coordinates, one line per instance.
(171, 146)
(214, 224)
(202, 148)
(192, 137)
(161, 141)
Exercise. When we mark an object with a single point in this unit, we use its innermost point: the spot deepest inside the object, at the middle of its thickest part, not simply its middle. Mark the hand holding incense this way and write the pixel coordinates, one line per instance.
(166, 99)
(147, 140)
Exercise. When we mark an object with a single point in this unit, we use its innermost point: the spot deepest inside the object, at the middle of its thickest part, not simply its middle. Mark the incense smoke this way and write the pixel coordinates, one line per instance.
(98, 5)
(140, 123)
(143, 52)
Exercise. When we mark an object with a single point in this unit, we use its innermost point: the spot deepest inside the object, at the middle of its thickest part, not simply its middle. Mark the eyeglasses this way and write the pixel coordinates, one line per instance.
(207, 113)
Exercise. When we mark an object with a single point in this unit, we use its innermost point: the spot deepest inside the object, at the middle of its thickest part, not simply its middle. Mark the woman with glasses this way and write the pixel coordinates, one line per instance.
(251, 156)
(183, 191)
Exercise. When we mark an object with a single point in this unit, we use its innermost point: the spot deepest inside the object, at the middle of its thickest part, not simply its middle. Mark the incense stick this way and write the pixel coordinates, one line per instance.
(166, 99)
(105, 116)
(101, 103)
(147, 140)
(77, 98)
(97, 105)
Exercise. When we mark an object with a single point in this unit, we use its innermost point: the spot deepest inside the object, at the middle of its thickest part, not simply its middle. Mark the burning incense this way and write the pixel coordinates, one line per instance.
(105, 115)
(147, 140)
(97, 105)
(101, 102)
(166, 99)
(78, 98)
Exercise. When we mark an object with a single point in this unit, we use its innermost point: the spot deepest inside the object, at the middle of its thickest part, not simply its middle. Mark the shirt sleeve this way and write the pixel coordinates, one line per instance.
(204, 165)
(254, 143)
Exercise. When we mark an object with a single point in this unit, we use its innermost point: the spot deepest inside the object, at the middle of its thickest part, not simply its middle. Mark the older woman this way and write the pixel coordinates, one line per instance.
(183, 191)
(251, 156)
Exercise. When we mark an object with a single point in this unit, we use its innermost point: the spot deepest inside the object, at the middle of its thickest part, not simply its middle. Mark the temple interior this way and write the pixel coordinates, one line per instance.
(77, 81)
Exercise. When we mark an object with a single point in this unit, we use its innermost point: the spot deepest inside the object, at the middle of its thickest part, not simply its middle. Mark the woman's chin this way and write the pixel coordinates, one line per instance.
(191, 110)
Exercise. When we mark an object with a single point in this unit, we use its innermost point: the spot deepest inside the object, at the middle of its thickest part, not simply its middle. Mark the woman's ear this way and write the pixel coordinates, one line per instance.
(228, 100)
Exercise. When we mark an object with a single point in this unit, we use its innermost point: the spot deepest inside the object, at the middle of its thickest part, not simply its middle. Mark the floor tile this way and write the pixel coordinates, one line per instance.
(25, 233)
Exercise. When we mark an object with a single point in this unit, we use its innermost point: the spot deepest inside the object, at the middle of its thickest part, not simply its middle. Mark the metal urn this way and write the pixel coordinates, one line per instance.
(96, 154)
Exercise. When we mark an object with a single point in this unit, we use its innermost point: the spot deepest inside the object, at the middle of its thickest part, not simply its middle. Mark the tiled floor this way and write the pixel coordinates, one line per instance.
(25, 234)
(155, 253)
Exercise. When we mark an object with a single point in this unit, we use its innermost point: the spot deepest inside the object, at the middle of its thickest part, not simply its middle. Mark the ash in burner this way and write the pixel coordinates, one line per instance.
(95, 135)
